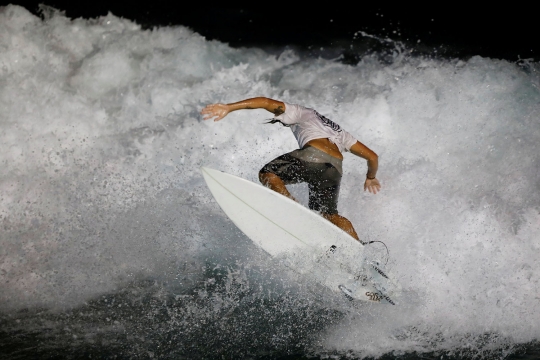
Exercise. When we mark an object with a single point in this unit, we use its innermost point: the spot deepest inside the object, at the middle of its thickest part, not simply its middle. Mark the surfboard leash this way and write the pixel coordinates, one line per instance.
(374, 241)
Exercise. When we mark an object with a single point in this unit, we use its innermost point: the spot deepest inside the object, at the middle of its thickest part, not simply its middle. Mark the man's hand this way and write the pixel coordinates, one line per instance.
(219, 111)
(372, 185)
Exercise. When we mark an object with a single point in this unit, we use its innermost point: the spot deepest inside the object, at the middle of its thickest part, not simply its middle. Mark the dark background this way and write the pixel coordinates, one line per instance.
(507, 31)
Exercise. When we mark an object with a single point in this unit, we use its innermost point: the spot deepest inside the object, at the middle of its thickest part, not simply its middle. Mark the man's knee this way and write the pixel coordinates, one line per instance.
(329, 217)
(263, 177)
(267, 178)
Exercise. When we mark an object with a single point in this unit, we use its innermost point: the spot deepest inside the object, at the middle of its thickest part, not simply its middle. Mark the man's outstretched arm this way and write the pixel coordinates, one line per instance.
(219, 111)
(371, 184)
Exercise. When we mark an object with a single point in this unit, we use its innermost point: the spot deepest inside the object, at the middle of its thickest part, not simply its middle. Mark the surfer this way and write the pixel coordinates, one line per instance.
(318, 162)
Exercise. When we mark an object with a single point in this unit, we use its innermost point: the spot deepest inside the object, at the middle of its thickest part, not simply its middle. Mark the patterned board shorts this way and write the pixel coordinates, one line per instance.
(321, 171)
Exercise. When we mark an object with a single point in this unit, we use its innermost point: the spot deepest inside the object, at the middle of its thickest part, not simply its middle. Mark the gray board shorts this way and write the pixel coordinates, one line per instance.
(321, 171)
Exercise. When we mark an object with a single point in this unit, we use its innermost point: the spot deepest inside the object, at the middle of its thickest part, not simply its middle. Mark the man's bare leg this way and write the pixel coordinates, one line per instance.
(342, 223)
(275, 183)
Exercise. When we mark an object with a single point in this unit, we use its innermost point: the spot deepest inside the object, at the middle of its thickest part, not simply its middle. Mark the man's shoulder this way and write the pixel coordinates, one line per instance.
(296, 108)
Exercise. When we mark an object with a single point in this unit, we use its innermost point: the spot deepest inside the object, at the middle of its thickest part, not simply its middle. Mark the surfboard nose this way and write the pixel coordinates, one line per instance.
(205, 169)
(207, 173)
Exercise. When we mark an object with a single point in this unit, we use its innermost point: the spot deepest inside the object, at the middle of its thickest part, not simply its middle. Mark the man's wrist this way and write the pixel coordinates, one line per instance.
(370, 178)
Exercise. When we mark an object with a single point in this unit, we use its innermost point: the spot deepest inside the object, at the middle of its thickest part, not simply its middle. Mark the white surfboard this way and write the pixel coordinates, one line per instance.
(302, 239)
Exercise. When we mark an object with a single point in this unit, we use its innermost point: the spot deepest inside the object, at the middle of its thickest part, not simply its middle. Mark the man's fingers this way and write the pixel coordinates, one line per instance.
(210, 113)
(374, 189)
(208, 109)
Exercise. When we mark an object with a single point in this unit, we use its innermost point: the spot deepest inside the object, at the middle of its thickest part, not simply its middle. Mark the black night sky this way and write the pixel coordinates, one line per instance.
(452, 29)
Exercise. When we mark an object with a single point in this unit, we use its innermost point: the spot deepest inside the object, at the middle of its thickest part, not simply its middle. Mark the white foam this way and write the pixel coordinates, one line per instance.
(101, 131)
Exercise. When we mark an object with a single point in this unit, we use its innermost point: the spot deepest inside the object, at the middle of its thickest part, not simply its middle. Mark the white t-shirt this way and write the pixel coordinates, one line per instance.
(307, 124)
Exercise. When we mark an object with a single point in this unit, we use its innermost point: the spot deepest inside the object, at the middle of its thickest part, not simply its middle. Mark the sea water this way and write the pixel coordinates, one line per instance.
(111, 244)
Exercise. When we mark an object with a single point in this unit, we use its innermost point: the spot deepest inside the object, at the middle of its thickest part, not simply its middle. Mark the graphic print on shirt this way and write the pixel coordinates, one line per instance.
(327, 122)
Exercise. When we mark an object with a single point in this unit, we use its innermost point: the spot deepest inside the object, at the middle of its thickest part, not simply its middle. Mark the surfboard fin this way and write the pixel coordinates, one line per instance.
(346, 292)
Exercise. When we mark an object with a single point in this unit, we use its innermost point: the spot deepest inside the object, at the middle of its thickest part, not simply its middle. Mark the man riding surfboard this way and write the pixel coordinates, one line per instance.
(318, 162)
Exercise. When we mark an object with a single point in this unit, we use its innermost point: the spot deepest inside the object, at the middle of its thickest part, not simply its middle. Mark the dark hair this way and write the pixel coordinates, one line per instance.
(273, 121)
